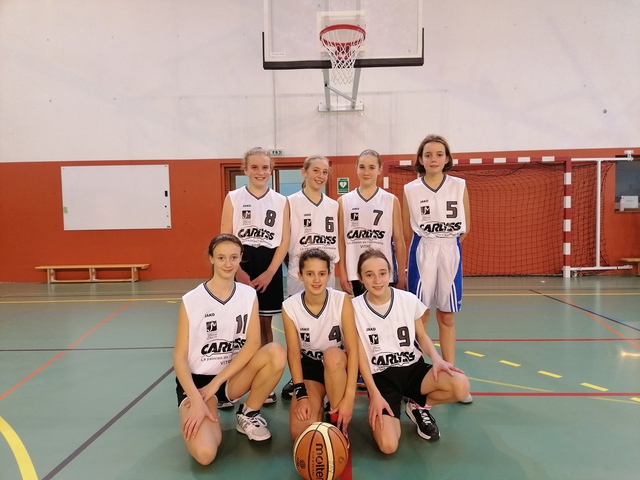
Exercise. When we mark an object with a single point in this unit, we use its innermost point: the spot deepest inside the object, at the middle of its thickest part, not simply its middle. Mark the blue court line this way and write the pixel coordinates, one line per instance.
(105, 427)
(594, 312)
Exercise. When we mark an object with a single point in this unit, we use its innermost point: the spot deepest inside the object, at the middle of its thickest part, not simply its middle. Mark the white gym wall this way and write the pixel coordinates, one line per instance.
(172, 79)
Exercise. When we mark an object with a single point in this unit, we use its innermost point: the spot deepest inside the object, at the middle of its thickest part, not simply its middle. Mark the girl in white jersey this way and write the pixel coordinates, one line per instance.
(436, 218)
(314, 224)
(370, 217)
(259, 216)
(322, 347)
(392, 341)
(313, 219)
(217, 355)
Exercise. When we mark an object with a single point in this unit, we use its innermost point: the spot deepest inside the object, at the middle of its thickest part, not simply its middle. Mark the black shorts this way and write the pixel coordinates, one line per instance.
(312, 369)
(395, 383)
(255, 261)
(357, 287)
(200, 382)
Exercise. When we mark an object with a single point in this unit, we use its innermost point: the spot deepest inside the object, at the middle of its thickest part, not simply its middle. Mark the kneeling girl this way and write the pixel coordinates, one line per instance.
(217, 356)
(322, 347)
(392, 341)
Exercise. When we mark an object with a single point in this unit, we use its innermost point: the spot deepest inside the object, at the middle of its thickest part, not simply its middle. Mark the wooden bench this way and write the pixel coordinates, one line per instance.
(93, 272)
(633, 260)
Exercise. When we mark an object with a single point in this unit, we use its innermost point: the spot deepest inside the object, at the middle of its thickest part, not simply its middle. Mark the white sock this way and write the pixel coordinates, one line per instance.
(246, 409)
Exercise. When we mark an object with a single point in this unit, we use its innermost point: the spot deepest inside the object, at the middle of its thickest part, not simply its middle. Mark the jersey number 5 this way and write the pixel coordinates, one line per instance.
(452, 209)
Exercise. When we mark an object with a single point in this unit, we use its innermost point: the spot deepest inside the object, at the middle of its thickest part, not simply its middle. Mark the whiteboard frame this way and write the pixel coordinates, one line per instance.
(116, 197)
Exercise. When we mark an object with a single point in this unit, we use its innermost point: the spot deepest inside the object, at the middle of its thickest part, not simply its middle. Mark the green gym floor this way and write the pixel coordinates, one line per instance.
(87, 388)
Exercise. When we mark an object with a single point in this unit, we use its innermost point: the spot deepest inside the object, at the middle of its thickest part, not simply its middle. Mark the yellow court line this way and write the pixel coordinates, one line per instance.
(595, 387)
(277, 329)
(96, 300)
(23, 459)
(510, 363)
(635, 399)
(599, 294)
(628, 402)
(474, 354)
(549, 374)
(522, 387)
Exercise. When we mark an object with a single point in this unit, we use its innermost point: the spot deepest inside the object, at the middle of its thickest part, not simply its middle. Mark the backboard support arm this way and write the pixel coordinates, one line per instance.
(353, 105)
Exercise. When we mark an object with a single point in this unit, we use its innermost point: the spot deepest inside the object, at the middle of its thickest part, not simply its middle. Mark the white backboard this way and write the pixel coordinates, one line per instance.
(291, 37)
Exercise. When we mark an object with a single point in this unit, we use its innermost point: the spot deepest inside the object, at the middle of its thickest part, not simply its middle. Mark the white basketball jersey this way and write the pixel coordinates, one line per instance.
(389, 339)
(217, 328)
(312, 226)
(437, 213)
(258, 221)
(316, 333)
(367, 224)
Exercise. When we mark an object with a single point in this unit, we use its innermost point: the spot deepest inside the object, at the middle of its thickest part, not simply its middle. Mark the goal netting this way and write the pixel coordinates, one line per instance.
(517, 216)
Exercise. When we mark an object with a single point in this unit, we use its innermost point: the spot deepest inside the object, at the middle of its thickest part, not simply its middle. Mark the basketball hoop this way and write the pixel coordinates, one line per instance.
(343, 44)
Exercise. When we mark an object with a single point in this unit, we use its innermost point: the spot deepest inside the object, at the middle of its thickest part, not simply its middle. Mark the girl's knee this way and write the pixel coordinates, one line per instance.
(387, 445)
(204, 454)
(462, 387)
(276, 354)
(334, 359)
(445, 318)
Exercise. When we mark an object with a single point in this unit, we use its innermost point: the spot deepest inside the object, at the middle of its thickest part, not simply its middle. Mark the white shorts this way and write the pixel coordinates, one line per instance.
(295, 285)
(435, 272)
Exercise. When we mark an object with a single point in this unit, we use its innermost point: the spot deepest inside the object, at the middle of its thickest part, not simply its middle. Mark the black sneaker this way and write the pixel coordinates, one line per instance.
(425, 423)
(272, 398)
(287, 390)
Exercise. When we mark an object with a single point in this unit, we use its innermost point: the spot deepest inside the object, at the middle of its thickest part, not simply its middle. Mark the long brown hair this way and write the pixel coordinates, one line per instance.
(417, 165)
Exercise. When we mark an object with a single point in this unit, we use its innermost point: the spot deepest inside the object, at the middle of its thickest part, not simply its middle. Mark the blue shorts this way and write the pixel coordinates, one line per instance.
(434, 272)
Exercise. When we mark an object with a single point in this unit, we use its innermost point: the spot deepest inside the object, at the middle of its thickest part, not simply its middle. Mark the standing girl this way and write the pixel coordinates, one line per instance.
(314, 224)
(370, 217)
(393, 340)
(322, 346)
(436, 218)
(259, 216)
(217, 355)
(314, 220)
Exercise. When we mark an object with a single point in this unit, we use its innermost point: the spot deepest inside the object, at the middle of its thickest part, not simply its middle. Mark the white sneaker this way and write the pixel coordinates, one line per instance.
(227, 404)
(252, 425)
(272, 398)
(467, 400)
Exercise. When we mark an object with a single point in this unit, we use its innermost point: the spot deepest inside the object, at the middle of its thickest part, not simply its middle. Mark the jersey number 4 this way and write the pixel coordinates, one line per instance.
(335, 334)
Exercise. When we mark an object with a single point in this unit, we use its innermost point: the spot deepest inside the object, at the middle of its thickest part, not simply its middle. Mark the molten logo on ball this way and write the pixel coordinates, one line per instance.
(320, 452)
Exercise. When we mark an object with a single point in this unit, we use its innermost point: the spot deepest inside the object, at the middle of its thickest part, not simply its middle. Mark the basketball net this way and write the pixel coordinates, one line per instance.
(343, 43)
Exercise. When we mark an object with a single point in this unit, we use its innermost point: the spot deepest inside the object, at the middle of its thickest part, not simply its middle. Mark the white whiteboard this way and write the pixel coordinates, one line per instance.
(116, 197)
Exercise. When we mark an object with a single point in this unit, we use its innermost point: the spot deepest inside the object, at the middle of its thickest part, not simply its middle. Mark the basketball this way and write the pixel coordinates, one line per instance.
(320, 452)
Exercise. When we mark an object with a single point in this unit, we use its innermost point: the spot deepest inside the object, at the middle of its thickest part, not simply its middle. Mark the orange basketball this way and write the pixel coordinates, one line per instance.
(320, 452)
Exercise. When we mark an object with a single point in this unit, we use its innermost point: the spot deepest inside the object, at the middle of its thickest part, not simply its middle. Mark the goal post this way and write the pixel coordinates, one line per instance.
(529, 215)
